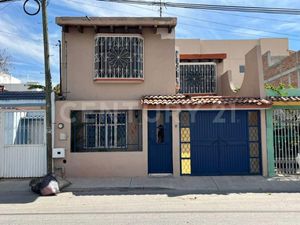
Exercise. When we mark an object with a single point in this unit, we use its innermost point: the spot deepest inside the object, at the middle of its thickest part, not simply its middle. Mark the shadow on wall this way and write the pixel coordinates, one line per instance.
(253, 83)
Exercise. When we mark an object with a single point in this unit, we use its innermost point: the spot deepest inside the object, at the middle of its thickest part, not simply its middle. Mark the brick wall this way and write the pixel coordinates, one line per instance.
(286, 70)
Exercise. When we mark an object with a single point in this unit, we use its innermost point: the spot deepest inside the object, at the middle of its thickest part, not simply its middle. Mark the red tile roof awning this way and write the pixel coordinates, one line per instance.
(284, 98)
(216, 56)
(183, 101)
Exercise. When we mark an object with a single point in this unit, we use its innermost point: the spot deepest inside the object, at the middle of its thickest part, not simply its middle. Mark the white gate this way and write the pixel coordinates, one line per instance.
(22, 144)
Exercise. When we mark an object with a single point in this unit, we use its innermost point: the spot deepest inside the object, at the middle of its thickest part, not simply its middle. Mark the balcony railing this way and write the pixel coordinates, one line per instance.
(198, 78)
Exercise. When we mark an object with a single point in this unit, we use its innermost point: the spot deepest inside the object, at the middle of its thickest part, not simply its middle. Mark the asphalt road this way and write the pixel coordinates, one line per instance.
(151, 208)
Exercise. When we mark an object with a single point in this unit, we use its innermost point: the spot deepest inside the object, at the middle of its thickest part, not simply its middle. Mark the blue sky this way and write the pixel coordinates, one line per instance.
(21, 35)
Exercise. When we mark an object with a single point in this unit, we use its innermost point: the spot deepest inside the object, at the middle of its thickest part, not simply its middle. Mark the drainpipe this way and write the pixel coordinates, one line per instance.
(60, 87)
(53, 116)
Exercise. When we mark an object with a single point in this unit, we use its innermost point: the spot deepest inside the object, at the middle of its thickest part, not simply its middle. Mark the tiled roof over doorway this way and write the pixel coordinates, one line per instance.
(203, 101)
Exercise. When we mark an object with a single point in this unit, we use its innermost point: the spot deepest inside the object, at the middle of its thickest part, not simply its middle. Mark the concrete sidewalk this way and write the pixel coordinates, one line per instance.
(221, 184)
(207, 184)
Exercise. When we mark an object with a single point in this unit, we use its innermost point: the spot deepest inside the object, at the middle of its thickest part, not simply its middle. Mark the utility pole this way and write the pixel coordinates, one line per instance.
(160, 8)
(48, 86)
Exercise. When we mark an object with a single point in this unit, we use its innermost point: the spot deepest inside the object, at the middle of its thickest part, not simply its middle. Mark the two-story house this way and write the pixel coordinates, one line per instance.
(138, 102)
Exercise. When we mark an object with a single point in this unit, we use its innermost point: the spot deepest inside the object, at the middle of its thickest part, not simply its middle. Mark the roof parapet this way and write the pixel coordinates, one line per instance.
(116, 21)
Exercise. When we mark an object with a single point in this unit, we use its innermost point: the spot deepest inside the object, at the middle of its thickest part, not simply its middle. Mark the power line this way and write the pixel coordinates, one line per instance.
(5, 6)
(226, 30)
(240, 33)
(234, 8)
(198, 20)
(5, 1)
(237, 26)
(252, 17)
(38, 3)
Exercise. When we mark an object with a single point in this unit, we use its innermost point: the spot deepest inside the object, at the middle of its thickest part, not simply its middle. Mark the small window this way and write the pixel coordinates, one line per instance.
(160, 135)
(119, 56)
(242, 68)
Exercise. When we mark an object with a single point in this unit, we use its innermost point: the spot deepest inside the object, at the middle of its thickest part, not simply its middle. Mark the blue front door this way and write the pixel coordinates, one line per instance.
(160, 142)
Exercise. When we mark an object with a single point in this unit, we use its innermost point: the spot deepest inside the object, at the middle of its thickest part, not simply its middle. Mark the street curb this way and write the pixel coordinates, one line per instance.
(68, 189)
(173, 190)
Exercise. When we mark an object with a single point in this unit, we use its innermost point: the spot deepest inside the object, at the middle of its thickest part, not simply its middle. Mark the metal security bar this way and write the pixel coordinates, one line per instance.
(185, 143)
(119, 56)
(286, 131)
(254, 142)
(198, 78)
(106, 131)
(24, 128)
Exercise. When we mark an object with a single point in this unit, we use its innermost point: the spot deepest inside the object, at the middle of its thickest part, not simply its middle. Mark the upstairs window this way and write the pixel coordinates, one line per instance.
(119, 56)
(198, 78)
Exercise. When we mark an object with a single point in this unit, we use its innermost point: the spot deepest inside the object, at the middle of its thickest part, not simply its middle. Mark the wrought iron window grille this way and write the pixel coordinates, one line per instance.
(198, 78)
(119, 56)
(94, 131)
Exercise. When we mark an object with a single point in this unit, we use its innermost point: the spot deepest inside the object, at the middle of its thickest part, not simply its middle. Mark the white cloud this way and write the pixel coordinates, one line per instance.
(288, 27)
(25, 45)
(255, 34)
(19, 45)
(94, 8)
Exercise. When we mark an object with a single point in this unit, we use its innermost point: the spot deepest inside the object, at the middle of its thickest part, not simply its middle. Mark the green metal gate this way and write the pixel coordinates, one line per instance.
(286, 140)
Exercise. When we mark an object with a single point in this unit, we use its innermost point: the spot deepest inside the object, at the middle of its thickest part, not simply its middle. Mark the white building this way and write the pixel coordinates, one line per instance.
(11, 83)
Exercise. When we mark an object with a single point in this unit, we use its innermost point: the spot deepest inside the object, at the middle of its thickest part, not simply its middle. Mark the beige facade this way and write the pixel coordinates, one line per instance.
(78, 67)
(82, 92)
(97, 164)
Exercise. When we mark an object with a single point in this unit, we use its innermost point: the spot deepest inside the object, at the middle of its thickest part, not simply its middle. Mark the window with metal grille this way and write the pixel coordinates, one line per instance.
(119, 56)
(198, 78)
(24, 128)
(106, 131)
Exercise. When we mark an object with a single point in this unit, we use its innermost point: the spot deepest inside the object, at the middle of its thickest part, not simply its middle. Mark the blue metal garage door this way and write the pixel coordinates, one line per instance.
(220, 143)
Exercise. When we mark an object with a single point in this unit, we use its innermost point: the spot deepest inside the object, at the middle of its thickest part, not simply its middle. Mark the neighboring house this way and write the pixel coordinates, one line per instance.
(7, 79)
(283, 132)
(235, 51)
(22, 134)
(282, 69)
(122, 114)
(10, 83)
